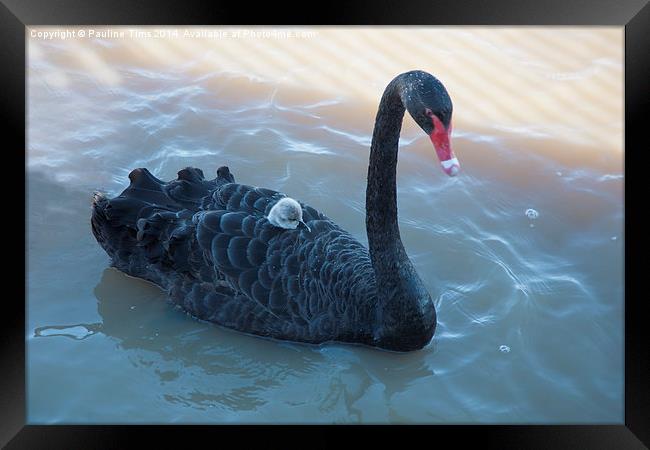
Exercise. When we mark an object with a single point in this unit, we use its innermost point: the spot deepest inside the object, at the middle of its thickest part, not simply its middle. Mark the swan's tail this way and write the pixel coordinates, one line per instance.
(147, 230)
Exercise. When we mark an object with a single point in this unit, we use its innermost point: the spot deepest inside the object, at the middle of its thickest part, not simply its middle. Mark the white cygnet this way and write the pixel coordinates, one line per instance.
(287, 214)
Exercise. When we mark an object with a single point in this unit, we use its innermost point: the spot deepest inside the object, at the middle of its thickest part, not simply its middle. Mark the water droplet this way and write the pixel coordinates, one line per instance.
(132, 307)
(532, 214)
(532, 225)
(614, 238)
(504, 349)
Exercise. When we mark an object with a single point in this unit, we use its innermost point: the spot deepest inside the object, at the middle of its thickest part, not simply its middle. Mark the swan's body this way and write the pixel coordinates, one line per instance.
(236, 255)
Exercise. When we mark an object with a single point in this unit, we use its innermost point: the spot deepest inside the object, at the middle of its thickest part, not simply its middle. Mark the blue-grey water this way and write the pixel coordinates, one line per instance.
(530, 303)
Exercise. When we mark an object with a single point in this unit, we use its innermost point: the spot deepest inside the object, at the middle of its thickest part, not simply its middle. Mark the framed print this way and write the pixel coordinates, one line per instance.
(407, 219)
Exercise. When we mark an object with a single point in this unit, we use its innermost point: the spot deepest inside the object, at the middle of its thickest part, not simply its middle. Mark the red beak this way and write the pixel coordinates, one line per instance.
(440, 137)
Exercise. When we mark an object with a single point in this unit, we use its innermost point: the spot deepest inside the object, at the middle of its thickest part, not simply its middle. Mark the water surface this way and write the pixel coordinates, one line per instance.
(530, 307)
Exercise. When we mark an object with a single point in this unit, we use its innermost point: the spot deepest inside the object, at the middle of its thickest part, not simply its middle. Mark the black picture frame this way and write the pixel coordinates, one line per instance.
(15, 15)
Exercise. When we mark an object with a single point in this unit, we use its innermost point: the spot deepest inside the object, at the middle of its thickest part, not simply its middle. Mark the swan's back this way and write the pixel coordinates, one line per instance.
(211, 246)
(308, 281)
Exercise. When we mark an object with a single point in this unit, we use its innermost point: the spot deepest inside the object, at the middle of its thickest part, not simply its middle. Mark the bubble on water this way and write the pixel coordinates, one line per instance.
(132, 307)
(532, 214)
(614, 238)
(532, 225)
(504, 349)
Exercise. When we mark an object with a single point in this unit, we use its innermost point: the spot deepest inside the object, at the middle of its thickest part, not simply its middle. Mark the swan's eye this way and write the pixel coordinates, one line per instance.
(428, 112)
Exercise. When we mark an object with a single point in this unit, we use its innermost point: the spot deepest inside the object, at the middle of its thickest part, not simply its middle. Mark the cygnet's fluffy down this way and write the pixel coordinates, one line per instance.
(287, 214)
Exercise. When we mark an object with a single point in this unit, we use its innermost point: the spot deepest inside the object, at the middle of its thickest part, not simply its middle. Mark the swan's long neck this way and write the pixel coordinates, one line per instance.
(405, 310)
(381, 192)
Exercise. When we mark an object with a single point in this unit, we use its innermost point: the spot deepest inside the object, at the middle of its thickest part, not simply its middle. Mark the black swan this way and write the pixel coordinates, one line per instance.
(253, 260)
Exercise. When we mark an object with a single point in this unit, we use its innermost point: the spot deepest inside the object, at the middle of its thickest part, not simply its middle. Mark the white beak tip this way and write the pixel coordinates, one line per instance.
(451, 167)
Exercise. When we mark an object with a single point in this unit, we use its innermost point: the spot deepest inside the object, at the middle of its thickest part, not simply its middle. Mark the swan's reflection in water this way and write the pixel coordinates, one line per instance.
(204, 366)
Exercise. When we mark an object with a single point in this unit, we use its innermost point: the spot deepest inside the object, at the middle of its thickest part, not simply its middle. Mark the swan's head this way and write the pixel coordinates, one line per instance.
(287, 214)
(428, 102)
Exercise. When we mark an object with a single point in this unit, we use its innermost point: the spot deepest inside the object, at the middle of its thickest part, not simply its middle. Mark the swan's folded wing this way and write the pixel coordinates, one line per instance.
(305, 280)
(266, 264)
(237, 245)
